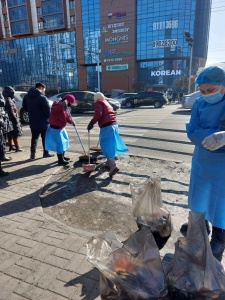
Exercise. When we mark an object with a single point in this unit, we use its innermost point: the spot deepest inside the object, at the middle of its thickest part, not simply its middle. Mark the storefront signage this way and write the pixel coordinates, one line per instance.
(164, 43)
(165, 72)
(118, 14)
(169, 24)
(113, 53)
(120, 67)
(115, 28)
(11, 51)
(112, 40)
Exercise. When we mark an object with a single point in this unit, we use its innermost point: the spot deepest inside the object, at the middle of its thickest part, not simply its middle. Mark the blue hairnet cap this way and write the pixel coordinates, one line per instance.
(211, 75)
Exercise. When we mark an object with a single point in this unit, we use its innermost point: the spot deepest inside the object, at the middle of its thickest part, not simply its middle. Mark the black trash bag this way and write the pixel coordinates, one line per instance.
(148, 209)
(130, 271)
(194, 273)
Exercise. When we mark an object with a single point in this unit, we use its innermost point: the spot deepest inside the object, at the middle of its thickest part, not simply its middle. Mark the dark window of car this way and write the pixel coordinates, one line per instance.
(90, 96)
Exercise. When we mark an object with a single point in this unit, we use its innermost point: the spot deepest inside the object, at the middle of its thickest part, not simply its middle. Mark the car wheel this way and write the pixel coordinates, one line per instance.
(157, 104)
(129, 104)
(24, 118)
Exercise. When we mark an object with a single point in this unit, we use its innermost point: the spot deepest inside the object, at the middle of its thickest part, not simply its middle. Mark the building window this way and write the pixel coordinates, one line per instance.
(71, 4)
(39, 11)
(54, 21)
(5, 17)
(52, 6)
(3, 3)
(16, 2)
(7, 30)
(17, 13)
(72, 20)
(40, 25)
(19, 27)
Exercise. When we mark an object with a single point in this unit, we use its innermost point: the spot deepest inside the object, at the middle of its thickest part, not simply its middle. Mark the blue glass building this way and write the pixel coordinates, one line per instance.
(62, 42)
(162, 54)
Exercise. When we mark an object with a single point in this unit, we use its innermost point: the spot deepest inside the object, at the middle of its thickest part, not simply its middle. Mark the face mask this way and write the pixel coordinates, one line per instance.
(214, 97)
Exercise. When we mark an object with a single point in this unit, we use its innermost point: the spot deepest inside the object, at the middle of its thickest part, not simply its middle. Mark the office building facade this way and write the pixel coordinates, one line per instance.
(106, 44)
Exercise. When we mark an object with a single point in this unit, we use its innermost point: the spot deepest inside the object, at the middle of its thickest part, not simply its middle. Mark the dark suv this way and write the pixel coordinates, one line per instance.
(155, 99)
(85, 101)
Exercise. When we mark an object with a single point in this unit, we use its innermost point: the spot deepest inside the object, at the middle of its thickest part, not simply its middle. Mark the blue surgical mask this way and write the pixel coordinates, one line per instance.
(214, 97)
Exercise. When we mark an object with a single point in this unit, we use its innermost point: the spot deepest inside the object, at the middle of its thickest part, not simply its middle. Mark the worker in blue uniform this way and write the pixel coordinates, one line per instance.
(206, 131)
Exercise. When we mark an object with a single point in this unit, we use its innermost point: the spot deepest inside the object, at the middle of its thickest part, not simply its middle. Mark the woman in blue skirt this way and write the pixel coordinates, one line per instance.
(57, 139)
(110, 141)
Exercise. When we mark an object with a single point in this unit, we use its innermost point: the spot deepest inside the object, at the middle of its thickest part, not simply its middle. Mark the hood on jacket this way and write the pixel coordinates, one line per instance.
(8, 91)
(34, 93)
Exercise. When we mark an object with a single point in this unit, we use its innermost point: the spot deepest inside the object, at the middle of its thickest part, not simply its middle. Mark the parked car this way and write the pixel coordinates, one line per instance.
(18, 96)
(188, 100)
(125, 96)
(85, 101)
(155, 99)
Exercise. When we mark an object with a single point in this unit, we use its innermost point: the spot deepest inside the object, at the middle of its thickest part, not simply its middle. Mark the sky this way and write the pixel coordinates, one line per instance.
(216, 50)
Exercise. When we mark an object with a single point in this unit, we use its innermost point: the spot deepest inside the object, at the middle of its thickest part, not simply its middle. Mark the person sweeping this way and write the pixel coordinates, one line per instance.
(110, 141)
(57, 139)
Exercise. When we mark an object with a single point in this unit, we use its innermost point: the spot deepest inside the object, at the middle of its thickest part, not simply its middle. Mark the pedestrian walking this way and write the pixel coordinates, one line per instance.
(37, 105)
(207, 188)
(57, 139)
(2, 132)
(10, 106)
(110, 141)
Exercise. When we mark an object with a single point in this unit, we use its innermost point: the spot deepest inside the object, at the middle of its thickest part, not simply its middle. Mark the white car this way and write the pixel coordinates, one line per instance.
(18, 96)
(188, 100)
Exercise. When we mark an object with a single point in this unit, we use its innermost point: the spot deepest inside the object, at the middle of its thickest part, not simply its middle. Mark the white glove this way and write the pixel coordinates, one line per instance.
(64, 103)
(214, 141)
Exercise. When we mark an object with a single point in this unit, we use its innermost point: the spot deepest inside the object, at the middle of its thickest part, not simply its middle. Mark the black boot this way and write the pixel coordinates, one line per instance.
(18, 149)
(61, 161)
(47, 154)
(65, 158)
(217, 242)
(184, 228)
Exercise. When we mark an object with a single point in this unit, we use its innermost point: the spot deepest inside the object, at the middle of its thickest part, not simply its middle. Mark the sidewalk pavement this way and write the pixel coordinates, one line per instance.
(45, 259)
(40, 257)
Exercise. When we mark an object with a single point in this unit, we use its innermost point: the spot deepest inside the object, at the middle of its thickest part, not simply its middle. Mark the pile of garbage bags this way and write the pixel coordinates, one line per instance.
(132, 270)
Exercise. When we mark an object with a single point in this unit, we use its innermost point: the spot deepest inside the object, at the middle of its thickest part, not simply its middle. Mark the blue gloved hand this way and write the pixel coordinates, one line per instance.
(90, 126)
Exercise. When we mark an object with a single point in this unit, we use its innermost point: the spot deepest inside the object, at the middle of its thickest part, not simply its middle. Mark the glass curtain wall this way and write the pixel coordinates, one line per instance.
(48, 58)
(162, 52)
(91, 40)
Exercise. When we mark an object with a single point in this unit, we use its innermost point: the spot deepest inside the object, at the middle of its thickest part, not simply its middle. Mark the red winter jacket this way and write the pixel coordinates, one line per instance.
(59, 116)
(104, 113)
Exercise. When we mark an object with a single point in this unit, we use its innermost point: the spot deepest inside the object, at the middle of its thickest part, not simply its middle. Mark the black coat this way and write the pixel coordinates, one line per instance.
(38, 108)
(14, 118)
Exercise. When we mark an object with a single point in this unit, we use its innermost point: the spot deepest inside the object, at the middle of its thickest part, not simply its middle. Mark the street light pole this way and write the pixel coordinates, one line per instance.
(190, 69)
(190, 41)
(98, 66)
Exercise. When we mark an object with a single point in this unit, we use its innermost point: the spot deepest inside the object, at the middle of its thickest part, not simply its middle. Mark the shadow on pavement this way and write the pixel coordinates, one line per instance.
(85, 282)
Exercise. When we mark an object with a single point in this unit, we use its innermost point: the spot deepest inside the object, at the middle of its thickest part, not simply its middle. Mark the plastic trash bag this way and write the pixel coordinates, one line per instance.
(130, 271)
(194, 273)
(148, 209)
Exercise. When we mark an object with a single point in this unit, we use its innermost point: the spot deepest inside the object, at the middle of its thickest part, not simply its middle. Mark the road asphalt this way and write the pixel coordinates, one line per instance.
(42, 253)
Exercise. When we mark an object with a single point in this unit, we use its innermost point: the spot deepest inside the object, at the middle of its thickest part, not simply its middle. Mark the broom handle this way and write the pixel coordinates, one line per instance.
(89, 155)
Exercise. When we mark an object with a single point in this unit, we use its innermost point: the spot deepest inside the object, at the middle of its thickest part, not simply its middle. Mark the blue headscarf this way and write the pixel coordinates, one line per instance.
(211, 75)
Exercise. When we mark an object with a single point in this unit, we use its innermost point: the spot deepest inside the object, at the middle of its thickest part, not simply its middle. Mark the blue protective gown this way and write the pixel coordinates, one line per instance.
(56, 140)
(111, 142)
(207, 183)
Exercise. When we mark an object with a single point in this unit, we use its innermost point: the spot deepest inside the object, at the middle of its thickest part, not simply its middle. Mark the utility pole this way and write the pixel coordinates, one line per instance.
(190, 41)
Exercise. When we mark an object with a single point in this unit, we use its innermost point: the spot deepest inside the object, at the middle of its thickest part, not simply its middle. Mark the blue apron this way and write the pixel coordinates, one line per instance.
(110, 141)
(56, 140)
(207, 182)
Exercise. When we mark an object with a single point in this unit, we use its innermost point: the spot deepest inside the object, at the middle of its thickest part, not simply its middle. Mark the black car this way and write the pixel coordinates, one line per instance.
(85, 101)
(155, 99)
